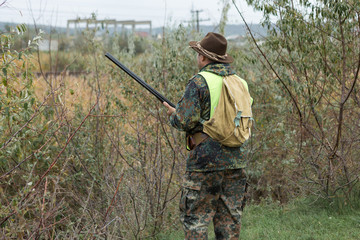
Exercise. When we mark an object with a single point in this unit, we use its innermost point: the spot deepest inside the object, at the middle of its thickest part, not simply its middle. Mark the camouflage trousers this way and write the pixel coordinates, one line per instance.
(216, 196)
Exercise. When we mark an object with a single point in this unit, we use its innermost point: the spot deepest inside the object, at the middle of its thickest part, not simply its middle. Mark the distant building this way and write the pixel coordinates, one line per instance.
(142, 34)
(105, 23)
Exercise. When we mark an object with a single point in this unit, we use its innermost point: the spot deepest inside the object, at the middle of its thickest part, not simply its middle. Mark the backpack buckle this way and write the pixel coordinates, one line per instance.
(237, 119)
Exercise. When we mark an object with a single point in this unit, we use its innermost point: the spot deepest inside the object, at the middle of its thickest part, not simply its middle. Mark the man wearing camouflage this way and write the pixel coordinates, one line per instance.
(215, 181)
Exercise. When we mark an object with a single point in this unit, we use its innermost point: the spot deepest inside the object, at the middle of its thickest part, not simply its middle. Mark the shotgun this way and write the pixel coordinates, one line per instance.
(139, 80)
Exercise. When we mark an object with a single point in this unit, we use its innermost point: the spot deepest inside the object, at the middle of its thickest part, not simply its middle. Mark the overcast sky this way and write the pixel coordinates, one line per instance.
(57, 12)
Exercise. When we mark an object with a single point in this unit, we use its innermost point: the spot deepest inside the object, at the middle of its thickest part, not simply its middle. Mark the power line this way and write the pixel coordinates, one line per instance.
(198, 20)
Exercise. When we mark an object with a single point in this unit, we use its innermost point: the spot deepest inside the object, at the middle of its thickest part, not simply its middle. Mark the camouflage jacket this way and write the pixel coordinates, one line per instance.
(210, 155)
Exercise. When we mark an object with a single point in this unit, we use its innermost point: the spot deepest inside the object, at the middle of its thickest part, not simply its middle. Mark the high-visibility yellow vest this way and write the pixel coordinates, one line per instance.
(214, 83)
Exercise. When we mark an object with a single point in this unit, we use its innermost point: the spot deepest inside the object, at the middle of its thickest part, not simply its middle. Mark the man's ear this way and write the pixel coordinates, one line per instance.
(202, 58)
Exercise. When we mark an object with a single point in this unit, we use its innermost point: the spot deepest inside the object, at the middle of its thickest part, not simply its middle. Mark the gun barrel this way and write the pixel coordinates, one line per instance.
(139, 80)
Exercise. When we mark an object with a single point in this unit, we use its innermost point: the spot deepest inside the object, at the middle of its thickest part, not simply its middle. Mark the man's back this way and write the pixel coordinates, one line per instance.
(210, 155)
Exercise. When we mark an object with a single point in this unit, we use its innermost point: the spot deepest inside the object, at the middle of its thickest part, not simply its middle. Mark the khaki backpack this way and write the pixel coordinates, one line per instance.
(231, 117)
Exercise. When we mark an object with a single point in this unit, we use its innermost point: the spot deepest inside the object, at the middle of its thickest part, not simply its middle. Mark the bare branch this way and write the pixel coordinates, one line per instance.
(31, 118)
(3, 3)
(52, 164)
(271, 66)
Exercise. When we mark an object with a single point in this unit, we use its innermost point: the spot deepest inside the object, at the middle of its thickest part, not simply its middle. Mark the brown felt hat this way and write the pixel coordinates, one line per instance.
(212, 46)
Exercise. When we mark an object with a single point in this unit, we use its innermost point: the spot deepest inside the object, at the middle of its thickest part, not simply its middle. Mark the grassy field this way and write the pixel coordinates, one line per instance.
(298, 220)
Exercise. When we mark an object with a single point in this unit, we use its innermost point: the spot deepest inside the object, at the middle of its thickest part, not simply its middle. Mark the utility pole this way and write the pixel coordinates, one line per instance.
(198, 20)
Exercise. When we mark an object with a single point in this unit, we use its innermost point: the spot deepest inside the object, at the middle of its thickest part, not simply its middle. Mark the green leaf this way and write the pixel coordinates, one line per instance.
(5, 72)
(36, 38)
(24, 28)
(7, 112)
(4, 82)
(21, 28)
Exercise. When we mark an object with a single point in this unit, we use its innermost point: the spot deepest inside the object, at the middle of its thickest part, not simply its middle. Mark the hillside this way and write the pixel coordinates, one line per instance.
(230, 30)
